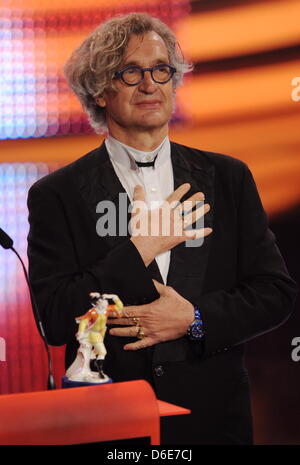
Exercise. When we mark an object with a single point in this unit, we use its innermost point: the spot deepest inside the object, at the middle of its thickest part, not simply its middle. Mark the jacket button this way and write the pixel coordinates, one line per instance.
(158, 370)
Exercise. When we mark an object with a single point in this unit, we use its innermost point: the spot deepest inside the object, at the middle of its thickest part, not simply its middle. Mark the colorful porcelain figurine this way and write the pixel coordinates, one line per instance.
(90, 335)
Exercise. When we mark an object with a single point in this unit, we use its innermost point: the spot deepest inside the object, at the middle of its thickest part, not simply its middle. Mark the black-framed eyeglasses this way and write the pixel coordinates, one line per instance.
(133, 75)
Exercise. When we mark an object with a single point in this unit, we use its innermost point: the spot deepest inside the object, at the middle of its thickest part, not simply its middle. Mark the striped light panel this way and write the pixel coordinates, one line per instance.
(24, 365)
(36, 38)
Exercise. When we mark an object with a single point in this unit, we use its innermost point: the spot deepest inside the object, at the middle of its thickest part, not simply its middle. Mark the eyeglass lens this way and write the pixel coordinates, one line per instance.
(134, 75)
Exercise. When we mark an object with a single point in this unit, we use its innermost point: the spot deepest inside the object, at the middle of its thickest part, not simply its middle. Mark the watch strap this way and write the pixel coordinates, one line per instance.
(196, 330)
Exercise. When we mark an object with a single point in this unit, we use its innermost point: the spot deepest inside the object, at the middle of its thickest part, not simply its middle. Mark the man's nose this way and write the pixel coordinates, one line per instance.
(147, 84)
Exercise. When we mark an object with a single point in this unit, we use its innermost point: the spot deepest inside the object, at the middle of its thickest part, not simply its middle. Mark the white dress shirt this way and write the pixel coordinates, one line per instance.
(158, 181)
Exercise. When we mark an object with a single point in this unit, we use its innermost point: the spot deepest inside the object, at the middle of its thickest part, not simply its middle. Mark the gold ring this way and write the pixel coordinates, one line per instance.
(135, 320)
(140, 333)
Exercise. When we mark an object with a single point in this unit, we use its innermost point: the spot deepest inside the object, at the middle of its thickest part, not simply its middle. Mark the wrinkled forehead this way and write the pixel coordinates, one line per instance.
(142, 48)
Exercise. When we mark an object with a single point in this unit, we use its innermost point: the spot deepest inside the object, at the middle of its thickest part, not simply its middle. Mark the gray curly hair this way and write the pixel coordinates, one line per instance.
(91, 67)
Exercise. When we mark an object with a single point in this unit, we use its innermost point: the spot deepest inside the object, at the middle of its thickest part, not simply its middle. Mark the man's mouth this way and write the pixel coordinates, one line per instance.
(149, 104)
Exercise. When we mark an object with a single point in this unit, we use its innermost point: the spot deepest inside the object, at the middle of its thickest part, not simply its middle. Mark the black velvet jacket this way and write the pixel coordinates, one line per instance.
(237, 278)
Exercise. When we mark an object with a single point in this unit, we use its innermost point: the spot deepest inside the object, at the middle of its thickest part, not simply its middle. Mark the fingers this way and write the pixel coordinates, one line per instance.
(193, 201)
(176, 196)
(178, 193)
(197, 233)
(195, 215)
(121, 321)
(131, 312)
(132, 331)
(145, 342)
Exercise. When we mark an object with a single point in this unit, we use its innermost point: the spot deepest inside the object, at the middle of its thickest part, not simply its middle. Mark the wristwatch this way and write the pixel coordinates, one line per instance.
(195, 331)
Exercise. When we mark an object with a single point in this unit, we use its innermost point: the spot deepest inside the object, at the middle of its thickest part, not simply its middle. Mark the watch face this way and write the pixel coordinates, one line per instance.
(197, 331)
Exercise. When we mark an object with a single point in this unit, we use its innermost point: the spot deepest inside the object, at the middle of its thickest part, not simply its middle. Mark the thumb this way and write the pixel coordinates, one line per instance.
(159, 286)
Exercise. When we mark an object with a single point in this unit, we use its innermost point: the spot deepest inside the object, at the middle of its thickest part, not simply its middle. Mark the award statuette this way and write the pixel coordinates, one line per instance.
(90, 335)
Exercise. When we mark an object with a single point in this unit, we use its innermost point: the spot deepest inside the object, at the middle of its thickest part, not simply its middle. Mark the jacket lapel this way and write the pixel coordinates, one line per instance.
(188, 264)
(189, 259)
(100, 187)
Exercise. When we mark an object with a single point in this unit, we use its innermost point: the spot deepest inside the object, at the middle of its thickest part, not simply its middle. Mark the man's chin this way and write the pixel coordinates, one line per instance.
(152, 121)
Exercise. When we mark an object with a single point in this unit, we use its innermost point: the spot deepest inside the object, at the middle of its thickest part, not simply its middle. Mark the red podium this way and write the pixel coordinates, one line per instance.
(84, 415)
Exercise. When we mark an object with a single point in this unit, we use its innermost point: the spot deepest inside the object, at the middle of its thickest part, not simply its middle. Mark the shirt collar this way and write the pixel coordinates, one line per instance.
(127, 156)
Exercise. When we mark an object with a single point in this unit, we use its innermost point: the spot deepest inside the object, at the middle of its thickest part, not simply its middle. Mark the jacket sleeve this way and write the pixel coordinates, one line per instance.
(264, 296)
(60, 286)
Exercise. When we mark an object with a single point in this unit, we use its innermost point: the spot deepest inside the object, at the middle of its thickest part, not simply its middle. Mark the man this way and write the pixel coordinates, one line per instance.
(188, 310)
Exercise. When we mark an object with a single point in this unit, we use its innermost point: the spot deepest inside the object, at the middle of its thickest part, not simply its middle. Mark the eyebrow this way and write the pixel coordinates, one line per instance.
(155, 62)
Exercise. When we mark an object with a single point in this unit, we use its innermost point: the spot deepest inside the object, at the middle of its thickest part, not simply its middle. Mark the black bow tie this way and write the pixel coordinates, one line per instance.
(148, 163)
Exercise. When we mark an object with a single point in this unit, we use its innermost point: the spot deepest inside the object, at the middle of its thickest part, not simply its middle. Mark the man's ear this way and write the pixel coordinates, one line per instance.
(101, 101)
